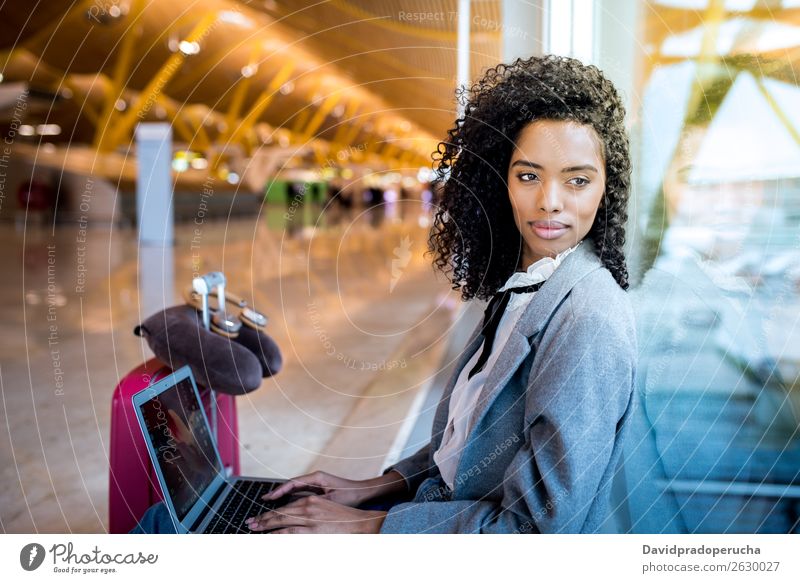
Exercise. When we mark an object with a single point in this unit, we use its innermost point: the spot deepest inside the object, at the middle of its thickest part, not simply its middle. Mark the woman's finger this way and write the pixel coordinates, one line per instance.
(297, 510)
(304, 482)
(285, 488)
(265, 515)
(313, 515)
(275, 520)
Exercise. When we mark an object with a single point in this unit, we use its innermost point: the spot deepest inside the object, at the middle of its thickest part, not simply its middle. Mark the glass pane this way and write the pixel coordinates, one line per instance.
(716, 258)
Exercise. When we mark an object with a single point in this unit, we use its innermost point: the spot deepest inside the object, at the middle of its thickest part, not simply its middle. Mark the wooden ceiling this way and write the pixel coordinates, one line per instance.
(403, 50)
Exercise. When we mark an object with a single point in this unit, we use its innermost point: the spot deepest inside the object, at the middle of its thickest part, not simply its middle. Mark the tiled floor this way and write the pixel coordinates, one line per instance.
(343, 300)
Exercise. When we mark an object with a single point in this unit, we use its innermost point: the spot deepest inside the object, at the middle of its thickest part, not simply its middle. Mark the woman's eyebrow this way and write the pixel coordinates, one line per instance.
(588, 167)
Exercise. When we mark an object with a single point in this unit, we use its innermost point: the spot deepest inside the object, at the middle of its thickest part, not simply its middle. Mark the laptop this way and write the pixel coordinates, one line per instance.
(202, 498)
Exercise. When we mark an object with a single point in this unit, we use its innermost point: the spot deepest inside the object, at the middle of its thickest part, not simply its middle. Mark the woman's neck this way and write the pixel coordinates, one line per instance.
(528, 259)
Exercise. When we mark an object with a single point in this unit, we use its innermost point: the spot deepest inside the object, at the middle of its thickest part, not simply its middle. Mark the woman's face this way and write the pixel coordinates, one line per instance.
(556, 179)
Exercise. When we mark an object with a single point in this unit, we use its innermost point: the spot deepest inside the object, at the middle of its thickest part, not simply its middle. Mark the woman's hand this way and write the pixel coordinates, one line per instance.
(317, 514)
(340, 490)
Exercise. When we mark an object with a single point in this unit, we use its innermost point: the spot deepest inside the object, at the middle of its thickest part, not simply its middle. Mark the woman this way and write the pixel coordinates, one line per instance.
(526, 438)
(535, 180)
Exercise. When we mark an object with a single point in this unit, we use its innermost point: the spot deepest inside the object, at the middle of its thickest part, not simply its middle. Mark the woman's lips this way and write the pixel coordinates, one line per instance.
(548, 229)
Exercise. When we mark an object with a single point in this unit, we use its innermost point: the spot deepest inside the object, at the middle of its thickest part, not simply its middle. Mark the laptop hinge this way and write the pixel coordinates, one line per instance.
(208, 507)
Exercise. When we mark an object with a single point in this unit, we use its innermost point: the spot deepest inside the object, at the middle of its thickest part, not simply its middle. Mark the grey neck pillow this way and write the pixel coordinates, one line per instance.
(234, 366)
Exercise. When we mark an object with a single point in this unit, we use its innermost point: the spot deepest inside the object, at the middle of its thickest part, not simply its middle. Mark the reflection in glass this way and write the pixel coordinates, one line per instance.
(715, 445)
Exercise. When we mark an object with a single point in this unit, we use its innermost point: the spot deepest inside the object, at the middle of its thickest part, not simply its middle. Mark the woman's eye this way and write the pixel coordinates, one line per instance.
(527, 176)
(583, 181)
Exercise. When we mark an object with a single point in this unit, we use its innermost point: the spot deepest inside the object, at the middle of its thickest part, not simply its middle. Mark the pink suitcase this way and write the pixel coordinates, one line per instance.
(133, 485)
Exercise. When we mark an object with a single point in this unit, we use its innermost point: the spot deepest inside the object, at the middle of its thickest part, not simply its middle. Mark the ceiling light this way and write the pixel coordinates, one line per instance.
(48, 129)
(180, 164)
(199, 163)
(235, 17)
(103, 13)
(189, 47)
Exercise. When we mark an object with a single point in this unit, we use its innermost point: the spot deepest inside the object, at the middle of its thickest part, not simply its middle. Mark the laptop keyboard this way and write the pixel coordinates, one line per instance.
(243, 501)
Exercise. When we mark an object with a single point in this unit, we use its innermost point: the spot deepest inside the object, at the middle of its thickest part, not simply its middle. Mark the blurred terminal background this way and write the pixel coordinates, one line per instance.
(298, 137)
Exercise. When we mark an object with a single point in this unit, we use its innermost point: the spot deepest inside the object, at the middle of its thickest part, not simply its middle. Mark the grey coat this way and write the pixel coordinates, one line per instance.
(547, 431)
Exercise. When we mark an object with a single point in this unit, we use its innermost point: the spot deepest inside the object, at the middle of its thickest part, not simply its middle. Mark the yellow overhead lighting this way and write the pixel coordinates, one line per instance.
(48, 129)
(189, 47)
(199, 163)
(150, 93)
(273, 45)
(235, 17)
(180, 162)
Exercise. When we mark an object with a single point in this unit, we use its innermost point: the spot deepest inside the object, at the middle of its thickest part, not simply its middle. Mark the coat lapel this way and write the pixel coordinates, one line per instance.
(575, 266)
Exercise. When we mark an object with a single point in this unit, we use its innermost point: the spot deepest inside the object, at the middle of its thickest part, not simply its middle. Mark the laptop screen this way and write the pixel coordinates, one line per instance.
(180, 436)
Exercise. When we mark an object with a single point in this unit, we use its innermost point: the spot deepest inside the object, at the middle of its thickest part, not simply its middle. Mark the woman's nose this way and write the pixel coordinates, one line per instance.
(551, 198)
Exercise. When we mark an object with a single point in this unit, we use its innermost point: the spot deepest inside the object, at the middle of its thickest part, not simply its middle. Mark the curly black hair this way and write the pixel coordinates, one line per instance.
(474, 237)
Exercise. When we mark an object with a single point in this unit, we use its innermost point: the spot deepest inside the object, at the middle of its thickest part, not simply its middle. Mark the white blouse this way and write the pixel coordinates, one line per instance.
(466, 391)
